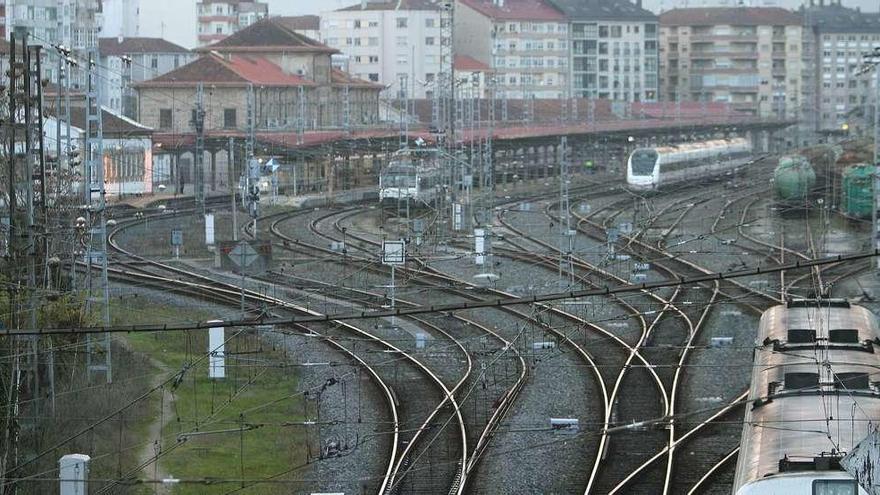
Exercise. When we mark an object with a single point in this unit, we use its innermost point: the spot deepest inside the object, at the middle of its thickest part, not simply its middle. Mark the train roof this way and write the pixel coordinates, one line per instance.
(714, 143)
(814, 389)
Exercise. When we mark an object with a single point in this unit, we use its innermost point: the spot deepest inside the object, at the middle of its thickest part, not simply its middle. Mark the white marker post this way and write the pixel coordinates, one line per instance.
(479, 246)
(209, 229)
(216, 351)
(393, 255)
(73, 471)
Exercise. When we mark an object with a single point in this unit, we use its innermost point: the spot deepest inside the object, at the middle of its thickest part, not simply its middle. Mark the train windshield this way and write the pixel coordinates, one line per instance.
(399, 174)
(643, 162)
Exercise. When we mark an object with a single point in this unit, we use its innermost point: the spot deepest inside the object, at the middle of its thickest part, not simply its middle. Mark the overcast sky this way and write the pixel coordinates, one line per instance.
(299, 7)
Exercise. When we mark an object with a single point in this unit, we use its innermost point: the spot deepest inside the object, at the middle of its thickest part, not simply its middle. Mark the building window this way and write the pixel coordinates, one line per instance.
(603, 31)
(154, 63)
(229, 118)
(176, 61)
(165, 118)
(374, 59)
(401, 22)
(429, 22)
(429, 41)
(374, 77)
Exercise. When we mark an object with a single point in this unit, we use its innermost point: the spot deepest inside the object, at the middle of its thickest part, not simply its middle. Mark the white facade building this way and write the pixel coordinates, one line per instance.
(218, 19)
(386, 40)
(129, 61)
(72, 23)
(151, 19)
(524, 42)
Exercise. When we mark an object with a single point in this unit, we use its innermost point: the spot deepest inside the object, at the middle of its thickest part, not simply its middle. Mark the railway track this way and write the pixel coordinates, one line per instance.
(660, 348)
(441, 283)
(405, 451)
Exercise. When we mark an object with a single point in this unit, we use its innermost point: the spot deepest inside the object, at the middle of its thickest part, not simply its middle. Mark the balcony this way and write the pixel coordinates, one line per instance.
(734, 54)
(724, 70)
(218, 18)
(710, 38)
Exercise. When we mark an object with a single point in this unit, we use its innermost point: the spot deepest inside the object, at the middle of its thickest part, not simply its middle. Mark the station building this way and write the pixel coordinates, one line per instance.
(291, 76)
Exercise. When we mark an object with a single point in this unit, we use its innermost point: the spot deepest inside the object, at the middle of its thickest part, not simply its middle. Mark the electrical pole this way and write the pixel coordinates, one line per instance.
(98, 346)
(443, 111)
(199, 162)
(565, 252)
(300, 115)
(403, 111)
(232, 188)
(252, 179)
(346, 108)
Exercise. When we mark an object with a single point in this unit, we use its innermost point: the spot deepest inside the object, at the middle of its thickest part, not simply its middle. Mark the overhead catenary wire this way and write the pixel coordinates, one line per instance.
(500, 302)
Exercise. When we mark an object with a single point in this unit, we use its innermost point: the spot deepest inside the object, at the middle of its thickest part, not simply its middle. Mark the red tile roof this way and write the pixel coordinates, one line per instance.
(128, 46)
(340, 78)
(467, 63)
(268, 35)
(730, 16)
(114, 125)
(232, 70)
(393, 5)
(516, 10)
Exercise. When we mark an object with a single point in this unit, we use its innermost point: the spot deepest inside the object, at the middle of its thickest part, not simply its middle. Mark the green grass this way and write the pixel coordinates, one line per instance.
(255, 392)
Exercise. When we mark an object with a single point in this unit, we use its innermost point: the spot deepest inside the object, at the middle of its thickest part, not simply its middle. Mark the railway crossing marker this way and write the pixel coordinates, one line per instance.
(244, 255)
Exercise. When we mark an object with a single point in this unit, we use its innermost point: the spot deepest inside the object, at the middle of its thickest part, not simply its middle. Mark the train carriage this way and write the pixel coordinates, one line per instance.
(652, 168)
(409, 176)
(814, 393)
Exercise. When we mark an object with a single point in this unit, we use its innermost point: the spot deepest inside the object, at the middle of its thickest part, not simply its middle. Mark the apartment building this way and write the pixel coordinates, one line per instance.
(524, 43)
(218, 19)
(835, 41)
(614, 49)
(384, 41)
(132, 60)
(151, 19)
(750, 57)
(72, 23)
(306, 25)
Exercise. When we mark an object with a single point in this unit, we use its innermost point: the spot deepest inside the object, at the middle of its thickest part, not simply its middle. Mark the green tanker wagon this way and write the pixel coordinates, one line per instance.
(858, 190)
(794, 178)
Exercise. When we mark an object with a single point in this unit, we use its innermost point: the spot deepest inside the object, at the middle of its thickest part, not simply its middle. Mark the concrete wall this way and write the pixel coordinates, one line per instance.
(276, 108)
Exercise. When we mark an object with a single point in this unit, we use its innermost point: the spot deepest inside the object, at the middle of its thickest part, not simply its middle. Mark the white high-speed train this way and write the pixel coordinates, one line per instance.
(409, 176)
(652, 168)
(814, 394)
